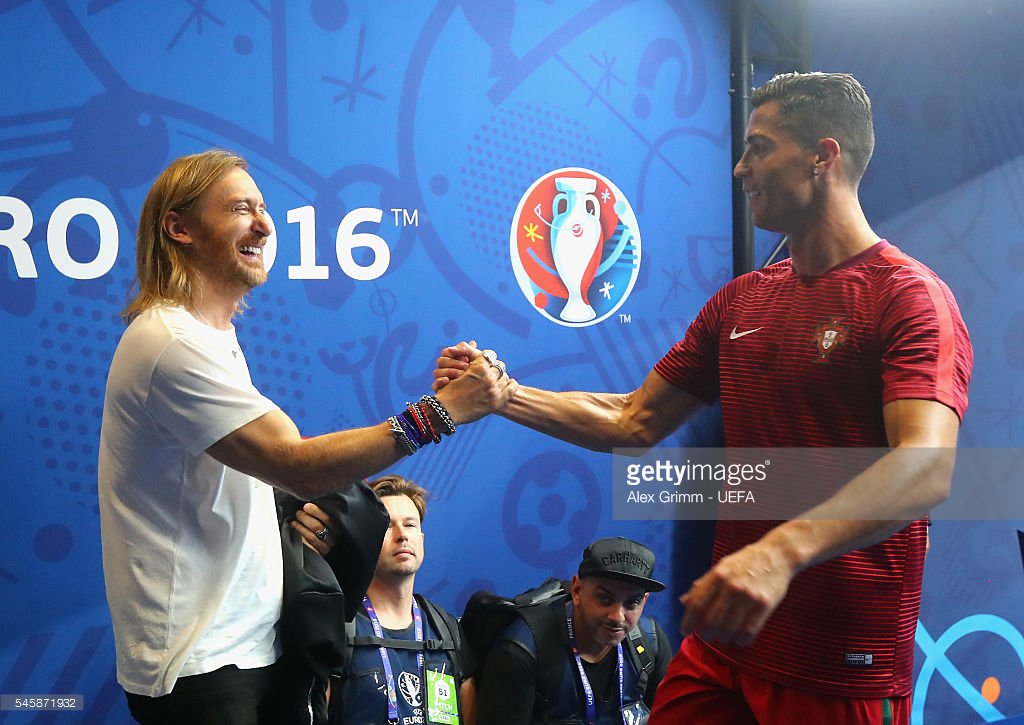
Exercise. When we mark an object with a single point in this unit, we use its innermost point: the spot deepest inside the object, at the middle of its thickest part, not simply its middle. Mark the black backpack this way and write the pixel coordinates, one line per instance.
(443, 623)
(450, 641)
(487, 615)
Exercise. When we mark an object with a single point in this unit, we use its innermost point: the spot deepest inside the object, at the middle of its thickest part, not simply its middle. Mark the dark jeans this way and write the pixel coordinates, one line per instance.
(228, 696)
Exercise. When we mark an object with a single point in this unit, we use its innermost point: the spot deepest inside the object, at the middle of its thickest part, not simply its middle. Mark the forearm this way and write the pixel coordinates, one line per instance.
(592, 420)
(603, 421)
(310, 468)
(271, 449)
(900, 487)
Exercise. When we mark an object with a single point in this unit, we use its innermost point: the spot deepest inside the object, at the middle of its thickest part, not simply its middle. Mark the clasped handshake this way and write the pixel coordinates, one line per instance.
(471, 382)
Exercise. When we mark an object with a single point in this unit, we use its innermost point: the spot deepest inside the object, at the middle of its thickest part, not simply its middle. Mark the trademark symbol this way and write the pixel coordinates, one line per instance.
(406, 218)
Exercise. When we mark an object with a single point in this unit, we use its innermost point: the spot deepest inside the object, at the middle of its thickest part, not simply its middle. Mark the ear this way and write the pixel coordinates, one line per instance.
(575, 588)
(827, 152)
(175, 227)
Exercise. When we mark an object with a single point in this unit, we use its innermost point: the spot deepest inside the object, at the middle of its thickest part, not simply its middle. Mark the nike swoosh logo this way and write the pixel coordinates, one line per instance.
(736, 335)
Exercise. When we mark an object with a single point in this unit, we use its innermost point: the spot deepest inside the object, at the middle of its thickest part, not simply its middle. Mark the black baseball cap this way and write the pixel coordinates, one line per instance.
(621, 559)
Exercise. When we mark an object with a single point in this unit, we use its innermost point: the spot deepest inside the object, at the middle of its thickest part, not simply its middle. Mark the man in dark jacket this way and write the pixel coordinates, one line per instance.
(591, 657)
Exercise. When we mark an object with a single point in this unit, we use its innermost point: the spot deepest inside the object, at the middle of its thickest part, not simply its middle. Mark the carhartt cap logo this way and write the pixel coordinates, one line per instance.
(628, 558)
(621, 559)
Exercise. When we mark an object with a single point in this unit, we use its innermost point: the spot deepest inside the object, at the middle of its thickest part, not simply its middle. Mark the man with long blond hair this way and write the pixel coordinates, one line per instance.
(191, 552)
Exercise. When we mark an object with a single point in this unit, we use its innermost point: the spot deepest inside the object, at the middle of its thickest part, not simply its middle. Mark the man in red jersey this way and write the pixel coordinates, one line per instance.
(850, 343)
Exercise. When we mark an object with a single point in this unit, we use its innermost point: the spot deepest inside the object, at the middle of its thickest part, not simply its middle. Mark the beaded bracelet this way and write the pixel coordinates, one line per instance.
(412, 414)
(448, 425)
(412, 430)
(421, 411)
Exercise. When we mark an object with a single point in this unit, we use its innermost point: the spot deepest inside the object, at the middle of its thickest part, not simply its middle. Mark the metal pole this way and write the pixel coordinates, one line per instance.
(803, 33)
(741, 79)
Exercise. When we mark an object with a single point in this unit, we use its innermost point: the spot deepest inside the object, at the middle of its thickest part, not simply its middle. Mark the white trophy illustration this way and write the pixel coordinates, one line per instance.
(575, 234)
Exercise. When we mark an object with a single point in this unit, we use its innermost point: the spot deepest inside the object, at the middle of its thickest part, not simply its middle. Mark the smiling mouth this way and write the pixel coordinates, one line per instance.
(252, 251)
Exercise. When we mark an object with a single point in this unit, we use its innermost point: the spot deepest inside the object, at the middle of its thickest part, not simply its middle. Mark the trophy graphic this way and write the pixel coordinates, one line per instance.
(580, 268)
(575, 236)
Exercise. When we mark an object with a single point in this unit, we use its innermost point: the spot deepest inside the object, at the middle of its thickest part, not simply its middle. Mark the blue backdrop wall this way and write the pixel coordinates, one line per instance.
(440, 116)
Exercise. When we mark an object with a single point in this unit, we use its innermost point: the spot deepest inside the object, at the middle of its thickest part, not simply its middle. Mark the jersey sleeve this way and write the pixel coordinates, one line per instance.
(692, 363)
(926, 350)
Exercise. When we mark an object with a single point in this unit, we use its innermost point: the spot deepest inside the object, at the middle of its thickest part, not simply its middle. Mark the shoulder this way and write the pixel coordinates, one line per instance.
(518, 632)
(437, 615)
(535, 626)
(751, 281)
(897, 274)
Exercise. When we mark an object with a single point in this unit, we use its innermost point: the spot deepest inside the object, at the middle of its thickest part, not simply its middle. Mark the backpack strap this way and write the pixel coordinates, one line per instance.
(547, 624)
(443, 623)
(427, 645)
(643, 652)
(447, 628)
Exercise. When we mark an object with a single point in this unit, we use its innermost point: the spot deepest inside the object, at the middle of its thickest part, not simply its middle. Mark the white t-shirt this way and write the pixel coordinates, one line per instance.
(191, 548)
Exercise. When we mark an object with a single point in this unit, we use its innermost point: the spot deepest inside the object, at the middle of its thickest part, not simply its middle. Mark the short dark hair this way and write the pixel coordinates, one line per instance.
(814, 106)
(395, 485)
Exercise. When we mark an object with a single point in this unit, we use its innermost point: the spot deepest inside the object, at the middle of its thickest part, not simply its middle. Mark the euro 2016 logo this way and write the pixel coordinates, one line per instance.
(575, 247)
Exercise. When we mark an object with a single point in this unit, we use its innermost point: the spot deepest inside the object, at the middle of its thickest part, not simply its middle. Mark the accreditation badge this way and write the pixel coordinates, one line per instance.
(635, 713)
(442, 700)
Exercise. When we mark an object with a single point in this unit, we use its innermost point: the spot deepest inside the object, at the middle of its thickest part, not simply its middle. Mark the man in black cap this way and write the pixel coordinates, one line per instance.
(589, 657)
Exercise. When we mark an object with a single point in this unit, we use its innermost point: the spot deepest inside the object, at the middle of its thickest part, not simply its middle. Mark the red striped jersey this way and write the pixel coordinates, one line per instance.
(810, 361)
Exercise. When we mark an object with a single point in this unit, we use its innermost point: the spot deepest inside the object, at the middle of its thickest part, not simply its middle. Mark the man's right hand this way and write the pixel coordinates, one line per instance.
(473, 386)
(454, 361)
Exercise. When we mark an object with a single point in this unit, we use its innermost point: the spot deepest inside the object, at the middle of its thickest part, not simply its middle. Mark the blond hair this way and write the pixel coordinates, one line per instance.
(162, 271)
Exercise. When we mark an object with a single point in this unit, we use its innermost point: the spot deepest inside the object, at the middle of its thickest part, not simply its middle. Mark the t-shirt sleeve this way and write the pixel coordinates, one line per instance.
(926, 350)
(692, 363)
(507, 688)
(199, 399)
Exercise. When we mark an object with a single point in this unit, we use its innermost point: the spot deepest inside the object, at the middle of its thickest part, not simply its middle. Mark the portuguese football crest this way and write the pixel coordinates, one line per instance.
(828, 336)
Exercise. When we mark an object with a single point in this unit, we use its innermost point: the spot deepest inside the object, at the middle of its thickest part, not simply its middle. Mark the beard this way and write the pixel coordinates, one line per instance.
(392, 568)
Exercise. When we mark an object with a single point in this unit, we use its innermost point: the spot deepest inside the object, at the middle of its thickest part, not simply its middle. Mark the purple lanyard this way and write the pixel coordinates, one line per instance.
(389, 675)
(588, 691)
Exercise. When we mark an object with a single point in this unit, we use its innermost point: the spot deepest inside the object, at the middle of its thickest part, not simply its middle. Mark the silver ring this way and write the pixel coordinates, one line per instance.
(321, 534)
(490, 356)
(501, 367)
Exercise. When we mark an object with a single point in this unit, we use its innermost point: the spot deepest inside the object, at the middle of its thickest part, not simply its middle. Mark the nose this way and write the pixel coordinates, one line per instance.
(740, 170)
(617, 613)
(261, 223)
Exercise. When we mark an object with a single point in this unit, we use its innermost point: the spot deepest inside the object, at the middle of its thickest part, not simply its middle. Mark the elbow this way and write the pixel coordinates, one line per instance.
(936, 474)
(636, 442)
(288, 473)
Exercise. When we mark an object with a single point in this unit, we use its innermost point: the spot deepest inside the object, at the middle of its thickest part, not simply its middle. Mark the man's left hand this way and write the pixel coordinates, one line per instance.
(314, 524)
